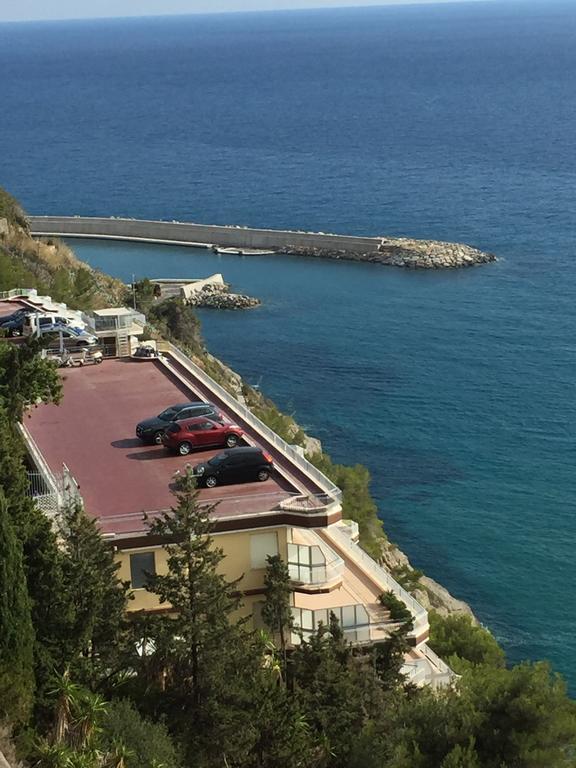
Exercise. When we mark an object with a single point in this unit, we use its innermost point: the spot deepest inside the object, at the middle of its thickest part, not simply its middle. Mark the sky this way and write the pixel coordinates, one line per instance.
(31, 10)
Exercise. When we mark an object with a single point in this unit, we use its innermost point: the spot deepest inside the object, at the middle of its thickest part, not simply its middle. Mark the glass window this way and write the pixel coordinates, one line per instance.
(317, 556)
(141, 565)
(348, 616)
(321, 616)
(262, 545)
(307, 619)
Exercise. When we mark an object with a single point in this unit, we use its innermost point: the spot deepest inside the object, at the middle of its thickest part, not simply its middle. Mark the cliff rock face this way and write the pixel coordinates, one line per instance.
(429, 593)
(407, 253)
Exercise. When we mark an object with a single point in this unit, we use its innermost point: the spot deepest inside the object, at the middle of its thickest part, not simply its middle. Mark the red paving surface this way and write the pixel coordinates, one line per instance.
(92, 432)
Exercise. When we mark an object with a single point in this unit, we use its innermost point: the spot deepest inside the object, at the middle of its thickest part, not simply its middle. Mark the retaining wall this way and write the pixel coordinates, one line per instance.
(194, 234)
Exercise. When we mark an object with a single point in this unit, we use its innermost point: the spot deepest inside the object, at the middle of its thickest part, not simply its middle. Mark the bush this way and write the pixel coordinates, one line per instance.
(148, 744)
(457, 638)
(398, 611)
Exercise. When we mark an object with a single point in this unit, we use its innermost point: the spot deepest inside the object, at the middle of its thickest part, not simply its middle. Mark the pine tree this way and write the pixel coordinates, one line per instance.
(335, 688)
(277, 611)
(202, 656)
(16, 631)
(93, 600)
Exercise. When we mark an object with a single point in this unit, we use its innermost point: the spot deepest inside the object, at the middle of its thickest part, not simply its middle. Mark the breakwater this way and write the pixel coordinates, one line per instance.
(397, 252)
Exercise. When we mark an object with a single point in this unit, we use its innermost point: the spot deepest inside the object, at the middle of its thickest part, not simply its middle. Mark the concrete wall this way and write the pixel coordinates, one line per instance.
(235, 565)
(176, 232)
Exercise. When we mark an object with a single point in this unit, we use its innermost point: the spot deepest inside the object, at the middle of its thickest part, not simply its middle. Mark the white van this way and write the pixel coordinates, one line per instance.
(41, 323)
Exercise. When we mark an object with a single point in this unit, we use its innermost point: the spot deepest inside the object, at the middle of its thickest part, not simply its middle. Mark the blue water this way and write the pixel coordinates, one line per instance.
(449, 121)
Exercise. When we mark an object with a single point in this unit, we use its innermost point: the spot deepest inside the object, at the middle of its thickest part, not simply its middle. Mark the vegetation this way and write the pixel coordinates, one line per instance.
(48, 265)
(457, 639)
(11, 210)
(276, 611)
(397, 609)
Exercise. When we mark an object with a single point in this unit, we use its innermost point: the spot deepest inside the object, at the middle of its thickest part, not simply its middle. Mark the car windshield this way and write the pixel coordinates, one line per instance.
(167, 415)
(217, 460)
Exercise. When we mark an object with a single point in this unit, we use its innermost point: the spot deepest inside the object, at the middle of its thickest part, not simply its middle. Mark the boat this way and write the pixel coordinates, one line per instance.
(242, 251)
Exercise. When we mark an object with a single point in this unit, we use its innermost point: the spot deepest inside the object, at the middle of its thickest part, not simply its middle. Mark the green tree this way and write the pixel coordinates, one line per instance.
(148, 743)
(277, 611)
(26, 379)
(62, 286)
(524, 717)
(457, 636)
(177, 322)
(201, 650)
(335, 688)
(16, 631)
(94, 601)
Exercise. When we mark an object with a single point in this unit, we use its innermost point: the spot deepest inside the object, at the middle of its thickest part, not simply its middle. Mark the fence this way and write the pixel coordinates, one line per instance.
(246, 414)
(15, 292)
(45, 498)
(381, 576)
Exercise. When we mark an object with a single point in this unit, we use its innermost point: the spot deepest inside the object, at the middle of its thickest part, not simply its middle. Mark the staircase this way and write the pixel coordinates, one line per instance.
(123, 345)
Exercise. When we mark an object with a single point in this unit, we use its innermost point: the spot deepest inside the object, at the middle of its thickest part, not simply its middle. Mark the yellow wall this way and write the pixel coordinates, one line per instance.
(237, 563)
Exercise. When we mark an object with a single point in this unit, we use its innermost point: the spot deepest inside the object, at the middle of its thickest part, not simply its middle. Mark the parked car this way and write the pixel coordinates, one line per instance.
(13, 323)
(183, 436)
(235, 466)
(72, 338)
(152, 430)
(44, 323)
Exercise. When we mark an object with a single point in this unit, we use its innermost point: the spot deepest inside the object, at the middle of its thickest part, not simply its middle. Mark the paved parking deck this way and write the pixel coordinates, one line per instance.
(92, 432)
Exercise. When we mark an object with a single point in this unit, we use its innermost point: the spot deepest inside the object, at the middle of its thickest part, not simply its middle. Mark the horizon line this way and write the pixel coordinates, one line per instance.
(176, 14)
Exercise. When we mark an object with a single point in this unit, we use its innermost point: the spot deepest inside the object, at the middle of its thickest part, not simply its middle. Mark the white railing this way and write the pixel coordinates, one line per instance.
(17, 292)
(245, 413)
(437, 662)
(416, 672)
(48, 477)
(381, 576)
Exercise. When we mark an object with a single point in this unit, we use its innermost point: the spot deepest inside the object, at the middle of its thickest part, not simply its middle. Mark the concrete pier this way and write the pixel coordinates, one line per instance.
(198, 235)
(394, 252)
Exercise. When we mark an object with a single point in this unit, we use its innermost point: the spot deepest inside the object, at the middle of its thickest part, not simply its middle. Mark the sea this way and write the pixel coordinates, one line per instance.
(451, 121)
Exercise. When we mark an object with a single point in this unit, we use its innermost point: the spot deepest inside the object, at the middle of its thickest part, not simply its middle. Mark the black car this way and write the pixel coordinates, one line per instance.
(235, 466)
(152, 430)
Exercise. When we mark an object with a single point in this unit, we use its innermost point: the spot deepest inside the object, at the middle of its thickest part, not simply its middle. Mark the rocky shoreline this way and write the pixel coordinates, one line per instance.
(407, 253)
(219, 297)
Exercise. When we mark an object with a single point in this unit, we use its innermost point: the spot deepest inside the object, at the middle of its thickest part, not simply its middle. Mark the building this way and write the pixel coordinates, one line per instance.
(87, 447)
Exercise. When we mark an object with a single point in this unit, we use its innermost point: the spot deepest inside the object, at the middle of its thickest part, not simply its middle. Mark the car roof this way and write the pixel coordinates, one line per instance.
(181, 406)
(198, 420)
(243, 449)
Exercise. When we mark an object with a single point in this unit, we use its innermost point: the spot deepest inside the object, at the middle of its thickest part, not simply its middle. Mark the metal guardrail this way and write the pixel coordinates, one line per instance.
(381, 575)
(245, 413)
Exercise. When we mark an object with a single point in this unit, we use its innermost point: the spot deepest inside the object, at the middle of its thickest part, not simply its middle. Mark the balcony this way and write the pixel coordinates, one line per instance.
(353, 619)
(312, 564)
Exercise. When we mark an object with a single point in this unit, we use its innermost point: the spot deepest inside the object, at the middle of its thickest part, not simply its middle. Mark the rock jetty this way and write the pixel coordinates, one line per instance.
(220, 297)
(405, 252)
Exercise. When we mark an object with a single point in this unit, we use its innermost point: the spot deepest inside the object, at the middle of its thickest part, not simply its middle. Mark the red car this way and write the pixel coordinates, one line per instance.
(199, 432)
